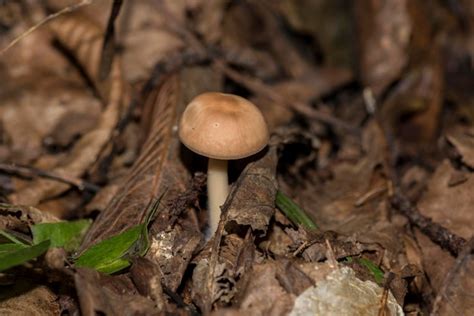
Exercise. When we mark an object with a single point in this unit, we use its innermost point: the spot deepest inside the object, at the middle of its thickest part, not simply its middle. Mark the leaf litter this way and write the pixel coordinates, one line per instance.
(366, 182)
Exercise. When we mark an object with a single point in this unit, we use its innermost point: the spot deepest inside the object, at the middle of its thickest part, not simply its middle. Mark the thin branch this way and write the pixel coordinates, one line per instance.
(437, 233)
(31, 172)
(67, 9)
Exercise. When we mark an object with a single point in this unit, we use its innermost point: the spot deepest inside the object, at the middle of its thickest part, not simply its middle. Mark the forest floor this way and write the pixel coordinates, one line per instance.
(362, 202)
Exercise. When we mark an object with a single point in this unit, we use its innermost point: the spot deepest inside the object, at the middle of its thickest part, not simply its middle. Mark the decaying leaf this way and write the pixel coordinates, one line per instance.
(23, 298)
(147, 278)
(438, 203)
(464, 143)
(384, 28)
(454, 296)
(260, 292)
(251, 202)
(113, 296)
(86, 45)
(368, 157)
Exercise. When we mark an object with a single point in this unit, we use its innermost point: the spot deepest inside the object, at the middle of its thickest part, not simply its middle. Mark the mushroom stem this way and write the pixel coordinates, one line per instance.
(217, 191)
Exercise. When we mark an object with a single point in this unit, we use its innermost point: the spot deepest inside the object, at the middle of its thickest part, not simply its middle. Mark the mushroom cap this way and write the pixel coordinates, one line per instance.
(223, 126)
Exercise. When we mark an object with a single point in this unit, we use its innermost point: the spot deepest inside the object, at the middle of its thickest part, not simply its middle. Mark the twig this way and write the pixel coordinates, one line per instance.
(384, 298)
(437, 233)
(31, 172)
(67, 9)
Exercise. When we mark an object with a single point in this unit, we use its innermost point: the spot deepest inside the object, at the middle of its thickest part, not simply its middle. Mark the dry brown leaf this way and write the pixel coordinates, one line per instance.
(31, 108)
(172, 251)
(412, 109)
(24, 298)
(209, 19)
(455, 296)
(384, 29)
(260, 292)
(145, 38)
(109, 295)
(87, 45)
(440, 201)
(438, 204)
(329, 23)
(129, 205)
(147, 278)
(333, 203)
(102, 198)
(252, 199)
(73, 124)
(464, 144)
(18, 217)
(236, 256)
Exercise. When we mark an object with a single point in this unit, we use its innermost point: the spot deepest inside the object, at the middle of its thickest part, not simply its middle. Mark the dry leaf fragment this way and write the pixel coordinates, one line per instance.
(260, 292)
(147, 278)
(438, 203)
(25, 298)
(384, 30)
(440, 200)
(464, 144)
(252, 200)
(109, 295)
(83, 37)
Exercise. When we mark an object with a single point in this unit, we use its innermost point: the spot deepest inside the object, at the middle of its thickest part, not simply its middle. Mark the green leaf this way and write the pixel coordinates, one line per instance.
(107, 256)
(293, 211)
(62, 234)
(373, 268)
(21, 255)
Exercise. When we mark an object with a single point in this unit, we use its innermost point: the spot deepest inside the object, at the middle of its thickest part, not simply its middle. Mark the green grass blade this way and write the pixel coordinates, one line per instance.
(294, 212)
(373, 268)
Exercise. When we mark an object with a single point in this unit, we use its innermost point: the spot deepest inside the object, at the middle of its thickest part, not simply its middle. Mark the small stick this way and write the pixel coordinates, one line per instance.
(437, 233)
(384, 299)
(67, 9)
(31, 172)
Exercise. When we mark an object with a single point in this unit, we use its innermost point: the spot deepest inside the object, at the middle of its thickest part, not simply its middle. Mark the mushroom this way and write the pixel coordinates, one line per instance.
(221, 127)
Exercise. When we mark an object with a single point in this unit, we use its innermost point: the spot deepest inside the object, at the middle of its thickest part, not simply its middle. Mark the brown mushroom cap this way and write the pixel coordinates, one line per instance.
(223, 126)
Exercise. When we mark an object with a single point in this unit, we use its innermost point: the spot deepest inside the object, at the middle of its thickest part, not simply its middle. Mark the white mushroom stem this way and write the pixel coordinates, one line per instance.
(217, 191)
